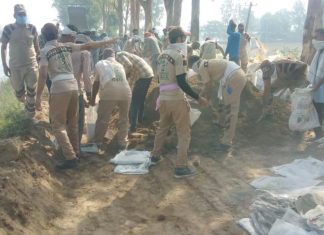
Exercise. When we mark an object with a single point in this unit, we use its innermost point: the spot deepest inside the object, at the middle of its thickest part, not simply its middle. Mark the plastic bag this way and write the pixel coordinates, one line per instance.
(55, 143)
(245, 223)
(303, 116)
(91, 122)
(194, 115)
(134, 169)
(315, 218)
(281, 227)
(131, 157)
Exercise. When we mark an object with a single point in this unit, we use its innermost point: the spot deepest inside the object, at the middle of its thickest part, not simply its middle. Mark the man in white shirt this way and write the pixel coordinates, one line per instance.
(114, 91)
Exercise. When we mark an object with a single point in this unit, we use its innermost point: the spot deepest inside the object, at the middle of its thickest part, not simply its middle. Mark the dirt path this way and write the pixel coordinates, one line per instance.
(97, 201)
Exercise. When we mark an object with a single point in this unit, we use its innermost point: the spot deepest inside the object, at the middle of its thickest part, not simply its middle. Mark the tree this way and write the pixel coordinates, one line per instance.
(120, 17)
(93, 20)
(135, 14)
(147, 6)
(157, 12)
(173, 9)
(276, 27)
(215, 29)
(195, 12)
(126, 15)
(177, 8)
(168, 4)
(298, 16)
(105, 8)
(98, 12)
(314, 20)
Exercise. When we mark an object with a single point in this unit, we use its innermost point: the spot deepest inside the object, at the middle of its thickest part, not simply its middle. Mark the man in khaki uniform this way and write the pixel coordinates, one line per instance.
(134, 44)
(245, 40)
(114, 91)
(56, 61)
(151, 50)
(139, 74)
(23, 51)
(231, 81)
(81, 61)
(209, 49)
(173, 105)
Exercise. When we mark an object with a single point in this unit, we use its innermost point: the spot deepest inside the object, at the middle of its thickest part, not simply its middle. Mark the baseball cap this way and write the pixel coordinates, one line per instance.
(177, 31)
(19, 8)
(68, 31)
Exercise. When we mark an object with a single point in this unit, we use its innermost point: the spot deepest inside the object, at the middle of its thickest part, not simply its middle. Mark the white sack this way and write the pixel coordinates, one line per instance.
(91, 122)
(303, 116)
(131, 157)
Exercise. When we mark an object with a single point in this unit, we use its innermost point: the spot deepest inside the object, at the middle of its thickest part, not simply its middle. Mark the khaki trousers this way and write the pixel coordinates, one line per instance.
(105, 109)
(24, 80)
(63, 111)
(177, 112)
(231, 100)
(244, 61)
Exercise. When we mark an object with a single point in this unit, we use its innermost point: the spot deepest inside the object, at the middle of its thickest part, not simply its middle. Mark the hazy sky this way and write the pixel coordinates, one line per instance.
(210, 10)
(41, 11)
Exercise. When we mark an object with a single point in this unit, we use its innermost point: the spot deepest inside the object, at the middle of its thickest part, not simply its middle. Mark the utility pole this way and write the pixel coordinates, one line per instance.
(248, 17)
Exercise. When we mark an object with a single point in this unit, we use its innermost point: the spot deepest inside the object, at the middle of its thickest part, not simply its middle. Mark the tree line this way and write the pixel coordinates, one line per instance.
(119, 17)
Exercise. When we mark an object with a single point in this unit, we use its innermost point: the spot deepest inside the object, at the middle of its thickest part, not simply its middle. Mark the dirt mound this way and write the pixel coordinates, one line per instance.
(29, 196)
(34, 199)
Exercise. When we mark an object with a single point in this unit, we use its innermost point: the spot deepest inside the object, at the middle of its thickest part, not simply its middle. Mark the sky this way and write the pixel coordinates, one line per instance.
(210, 10)
(41, 11)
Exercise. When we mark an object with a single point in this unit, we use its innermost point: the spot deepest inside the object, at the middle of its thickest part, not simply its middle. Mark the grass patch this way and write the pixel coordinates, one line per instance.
(13, 121)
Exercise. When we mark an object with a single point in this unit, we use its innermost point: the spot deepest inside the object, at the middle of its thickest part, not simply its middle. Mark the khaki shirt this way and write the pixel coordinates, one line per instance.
(151, 47)
(171, 63)
(57, 56)
(208, 50)
(21, 44)
(243, 50)
(212, 70)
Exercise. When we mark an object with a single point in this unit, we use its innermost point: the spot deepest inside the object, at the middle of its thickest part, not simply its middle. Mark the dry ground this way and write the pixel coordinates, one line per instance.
(34, 199)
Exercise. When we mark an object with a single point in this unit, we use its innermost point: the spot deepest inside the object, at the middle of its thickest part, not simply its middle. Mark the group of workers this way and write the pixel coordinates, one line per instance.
(122, 79)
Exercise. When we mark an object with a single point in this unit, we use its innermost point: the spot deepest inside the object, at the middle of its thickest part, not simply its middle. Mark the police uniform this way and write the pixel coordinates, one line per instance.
(231, 80)
(174, 107)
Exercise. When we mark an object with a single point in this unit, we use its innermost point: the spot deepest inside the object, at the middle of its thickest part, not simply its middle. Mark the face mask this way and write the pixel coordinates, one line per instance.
(318, 45)
(21, 19)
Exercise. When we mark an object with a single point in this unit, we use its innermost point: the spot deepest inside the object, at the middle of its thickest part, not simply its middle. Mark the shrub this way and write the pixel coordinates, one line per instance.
(13, 121)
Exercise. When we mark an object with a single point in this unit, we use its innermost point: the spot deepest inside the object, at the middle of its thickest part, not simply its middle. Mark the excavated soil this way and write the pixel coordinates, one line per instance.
(34, 199)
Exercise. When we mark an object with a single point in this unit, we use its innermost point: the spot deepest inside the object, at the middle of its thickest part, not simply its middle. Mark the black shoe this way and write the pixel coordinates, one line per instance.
(222, 147)
(68, 164)
(156, 160)
(183, 172)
